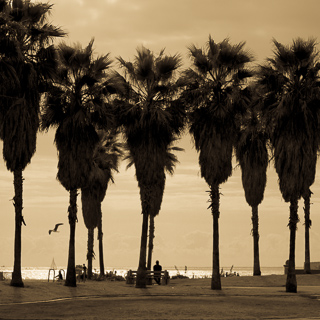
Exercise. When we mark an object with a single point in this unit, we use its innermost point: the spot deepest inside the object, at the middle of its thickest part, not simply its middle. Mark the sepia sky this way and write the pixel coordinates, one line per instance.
(184, 226)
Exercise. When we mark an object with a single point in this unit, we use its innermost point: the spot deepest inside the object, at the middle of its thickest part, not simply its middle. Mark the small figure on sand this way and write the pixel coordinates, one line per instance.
(157, 272)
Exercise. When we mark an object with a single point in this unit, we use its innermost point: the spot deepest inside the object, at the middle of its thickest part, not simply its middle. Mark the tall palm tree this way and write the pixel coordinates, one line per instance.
(215, 92)
(76, 107)
(106, 159)
(152, 118)
(252, 155)
(27, 61)
(290, 81)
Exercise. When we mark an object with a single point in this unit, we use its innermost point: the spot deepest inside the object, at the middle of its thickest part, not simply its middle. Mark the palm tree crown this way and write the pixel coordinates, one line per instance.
(290, 81)
(252, 154)
(151, 115)
(215, 94)
(106, 157)
(28, 62)
(76, 105)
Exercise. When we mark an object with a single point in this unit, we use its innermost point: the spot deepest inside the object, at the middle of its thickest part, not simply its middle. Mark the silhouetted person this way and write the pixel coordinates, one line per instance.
(60, 277)
(157, 272)
(84, 272)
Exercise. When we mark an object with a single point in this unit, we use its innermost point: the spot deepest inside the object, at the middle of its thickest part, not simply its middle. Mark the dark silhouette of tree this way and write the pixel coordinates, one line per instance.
(215, 95)
(27, 65)
(76, 107)
(290, 81)
(106, 159)
(252, 155)
(152, 118)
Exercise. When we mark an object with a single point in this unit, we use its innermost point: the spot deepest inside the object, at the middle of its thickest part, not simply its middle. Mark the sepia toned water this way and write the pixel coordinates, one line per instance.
(41, 273)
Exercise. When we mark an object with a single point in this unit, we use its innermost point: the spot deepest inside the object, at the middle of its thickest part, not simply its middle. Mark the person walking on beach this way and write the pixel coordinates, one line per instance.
(157, 272)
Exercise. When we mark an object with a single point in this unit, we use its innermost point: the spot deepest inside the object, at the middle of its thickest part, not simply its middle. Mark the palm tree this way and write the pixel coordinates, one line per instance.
(215, 93)
(290, 81)
(152, 118)
(27, 61)
(252, 155)
(76, 107)
(106, 159)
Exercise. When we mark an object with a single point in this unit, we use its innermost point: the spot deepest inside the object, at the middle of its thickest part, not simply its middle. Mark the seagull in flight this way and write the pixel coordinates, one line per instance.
(55, 228)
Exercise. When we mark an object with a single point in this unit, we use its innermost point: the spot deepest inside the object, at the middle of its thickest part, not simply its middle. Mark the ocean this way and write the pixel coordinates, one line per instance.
(42, 273)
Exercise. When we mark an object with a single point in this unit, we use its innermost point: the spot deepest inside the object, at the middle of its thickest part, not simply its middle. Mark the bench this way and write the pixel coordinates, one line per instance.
(132, 276)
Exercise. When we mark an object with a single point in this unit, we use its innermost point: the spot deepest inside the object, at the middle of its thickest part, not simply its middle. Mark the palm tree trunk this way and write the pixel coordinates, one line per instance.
(90, 252)
(17, 202)
(291, 284)
(255, 234)
(141, 273)
(145, 204)
(307, 225)
(100, 237)
(71, 280)
(151, 237)
(215, 203)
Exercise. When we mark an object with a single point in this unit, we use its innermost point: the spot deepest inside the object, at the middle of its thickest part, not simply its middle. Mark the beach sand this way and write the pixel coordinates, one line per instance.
(240, 298)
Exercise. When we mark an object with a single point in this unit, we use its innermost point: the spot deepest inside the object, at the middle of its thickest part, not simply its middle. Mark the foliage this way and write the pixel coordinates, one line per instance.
(151, 115)
(252, 154)
(290, 87)
(106, 157)
(215, 92)
(27, 65)
(76, 106)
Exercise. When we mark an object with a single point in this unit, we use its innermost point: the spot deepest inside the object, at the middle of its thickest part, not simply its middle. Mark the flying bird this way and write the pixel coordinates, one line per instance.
(55, 228)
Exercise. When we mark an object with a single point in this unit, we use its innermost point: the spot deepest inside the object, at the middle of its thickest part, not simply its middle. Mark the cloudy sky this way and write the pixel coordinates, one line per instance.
(184, 226)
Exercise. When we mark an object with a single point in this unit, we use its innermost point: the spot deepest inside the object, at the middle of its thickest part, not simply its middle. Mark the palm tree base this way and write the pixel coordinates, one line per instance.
(291, 285)
(257, 273)
(216, 284)
(70, 284)
(141, 281)
(70, 281)
(15, 283)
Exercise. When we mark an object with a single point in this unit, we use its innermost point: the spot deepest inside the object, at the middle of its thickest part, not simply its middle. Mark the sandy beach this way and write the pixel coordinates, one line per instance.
(240, 298)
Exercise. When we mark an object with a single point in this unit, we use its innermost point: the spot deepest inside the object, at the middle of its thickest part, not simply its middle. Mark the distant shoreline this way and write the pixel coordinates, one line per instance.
(191, 272)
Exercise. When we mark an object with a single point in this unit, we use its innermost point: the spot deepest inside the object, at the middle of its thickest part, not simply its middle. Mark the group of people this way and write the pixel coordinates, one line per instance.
(157, 268)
